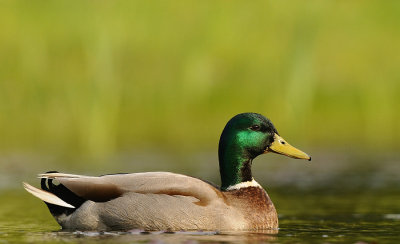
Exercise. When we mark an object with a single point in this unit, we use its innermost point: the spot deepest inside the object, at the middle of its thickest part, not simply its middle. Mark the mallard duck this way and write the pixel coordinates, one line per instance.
(171, 202)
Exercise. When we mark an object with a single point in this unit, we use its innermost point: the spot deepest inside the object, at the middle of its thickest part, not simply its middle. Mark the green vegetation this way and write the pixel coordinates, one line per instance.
(99, 77)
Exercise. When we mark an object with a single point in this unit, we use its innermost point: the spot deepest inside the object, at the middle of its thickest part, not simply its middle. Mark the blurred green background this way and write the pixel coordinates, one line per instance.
(96, 87)
(89, 81)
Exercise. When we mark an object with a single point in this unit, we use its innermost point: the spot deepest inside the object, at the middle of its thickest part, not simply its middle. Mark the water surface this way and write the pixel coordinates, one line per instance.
(305, 217)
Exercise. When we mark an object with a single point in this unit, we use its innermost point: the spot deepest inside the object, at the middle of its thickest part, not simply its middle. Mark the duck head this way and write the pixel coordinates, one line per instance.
(244, 137)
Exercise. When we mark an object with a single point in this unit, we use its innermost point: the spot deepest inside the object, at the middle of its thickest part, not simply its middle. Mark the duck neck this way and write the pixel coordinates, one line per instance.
(234, 164)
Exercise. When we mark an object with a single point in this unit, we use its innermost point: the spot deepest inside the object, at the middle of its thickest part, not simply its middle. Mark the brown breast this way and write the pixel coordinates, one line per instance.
(256, 206)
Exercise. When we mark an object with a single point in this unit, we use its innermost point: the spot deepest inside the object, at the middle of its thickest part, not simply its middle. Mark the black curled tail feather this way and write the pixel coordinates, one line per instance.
(62, 192)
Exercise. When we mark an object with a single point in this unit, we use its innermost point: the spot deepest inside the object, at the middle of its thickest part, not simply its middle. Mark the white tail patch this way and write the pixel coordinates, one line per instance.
(59, 175)
(46, 196)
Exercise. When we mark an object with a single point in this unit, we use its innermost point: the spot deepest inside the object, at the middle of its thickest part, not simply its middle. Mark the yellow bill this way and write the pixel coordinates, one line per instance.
(280, 146)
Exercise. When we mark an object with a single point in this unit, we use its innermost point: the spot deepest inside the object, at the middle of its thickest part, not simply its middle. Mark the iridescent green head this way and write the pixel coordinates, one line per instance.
(245, 137)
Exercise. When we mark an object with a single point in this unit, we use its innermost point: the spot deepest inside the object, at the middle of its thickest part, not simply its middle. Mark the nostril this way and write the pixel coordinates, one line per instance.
(283, 143)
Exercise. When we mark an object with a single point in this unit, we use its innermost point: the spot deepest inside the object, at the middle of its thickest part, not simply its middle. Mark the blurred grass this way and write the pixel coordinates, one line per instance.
(99, 77)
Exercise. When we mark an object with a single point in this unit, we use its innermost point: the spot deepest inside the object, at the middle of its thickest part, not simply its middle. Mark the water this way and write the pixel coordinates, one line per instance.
(334, 199)
(305, 217)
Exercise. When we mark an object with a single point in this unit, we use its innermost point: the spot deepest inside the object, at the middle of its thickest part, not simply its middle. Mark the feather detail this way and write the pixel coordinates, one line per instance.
(60, 175)
(46, 196)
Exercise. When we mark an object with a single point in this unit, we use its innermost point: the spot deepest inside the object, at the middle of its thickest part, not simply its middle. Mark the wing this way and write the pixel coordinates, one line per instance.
(107, 187)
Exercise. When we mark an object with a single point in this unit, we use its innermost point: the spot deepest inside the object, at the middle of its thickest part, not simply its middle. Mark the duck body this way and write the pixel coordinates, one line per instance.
(164, 206)
(172, 202)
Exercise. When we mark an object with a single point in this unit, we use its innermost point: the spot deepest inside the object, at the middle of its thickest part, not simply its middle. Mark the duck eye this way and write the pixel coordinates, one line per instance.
(255, 127)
